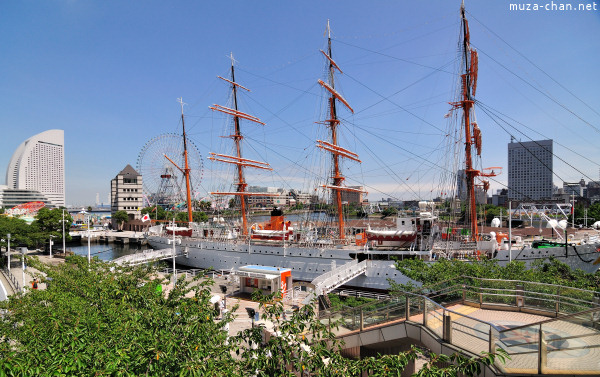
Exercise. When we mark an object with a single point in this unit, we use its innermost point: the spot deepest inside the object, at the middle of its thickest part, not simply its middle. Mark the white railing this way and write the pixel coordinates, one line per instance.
(144, 257)
(330, 280)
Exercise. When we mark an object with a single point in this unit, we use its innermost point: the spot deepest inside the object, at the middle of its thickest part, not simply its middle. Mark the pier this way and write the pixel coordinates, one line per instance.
(109, 236)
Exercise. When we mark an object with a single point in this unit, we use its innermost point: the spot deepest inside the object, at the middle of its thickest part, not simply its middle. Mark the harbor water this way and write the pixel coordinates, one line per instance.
(106, 251)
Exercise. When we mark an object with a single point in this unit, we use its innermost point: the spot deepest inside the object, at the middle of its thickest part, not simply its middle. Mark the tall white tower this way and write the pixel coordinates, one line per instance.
(38, 164)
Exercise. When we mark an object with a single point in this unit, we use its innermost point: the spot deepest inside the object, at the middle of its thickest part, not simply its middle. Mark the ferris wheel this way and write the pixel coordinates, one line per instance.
(163, 181)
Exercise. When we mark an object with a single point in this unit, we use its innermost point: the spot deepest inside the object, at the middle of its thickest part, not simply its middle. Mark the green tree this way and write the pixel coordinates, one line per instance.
(92, 321)
(232, 203)
(155, 212)
(593, 214)
(98, 320)
(389, 211)
(203, 206)
(120, 217)
(551, 271)
(49, 222)
(492, 211)
(19, 230)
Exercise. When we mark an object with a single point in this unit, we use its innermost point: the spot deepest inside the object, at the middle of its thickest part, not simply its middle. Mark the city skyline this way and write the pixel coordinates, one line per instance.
(109, 75)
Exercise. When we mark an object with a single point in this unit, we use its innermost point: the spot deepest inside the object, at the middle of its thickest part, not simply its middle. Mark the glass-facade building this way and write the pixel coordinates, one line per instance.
(530, 170)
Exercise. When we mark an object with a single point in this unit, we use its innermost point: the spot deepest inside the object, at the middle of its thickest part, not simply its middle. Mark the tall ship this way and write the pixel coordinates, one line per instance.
(311, 248)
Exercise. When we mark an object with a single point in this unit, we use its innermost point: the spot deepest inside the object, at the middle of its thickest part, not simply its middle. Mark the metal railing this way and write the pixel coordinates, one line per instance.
(145, 257)
(330, 280)
(12, 280)
(568, 343)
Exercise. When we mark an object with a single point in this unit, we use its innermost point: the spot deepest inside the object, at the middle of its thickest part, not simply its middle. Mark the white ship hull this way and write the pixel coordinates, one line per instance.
(307, 263)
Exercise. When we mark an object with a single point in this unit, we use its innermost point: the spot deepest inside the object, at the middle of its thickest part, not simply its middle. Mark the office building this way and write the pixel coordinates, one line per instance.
(126, 193)
(530, 170)
(38, 165)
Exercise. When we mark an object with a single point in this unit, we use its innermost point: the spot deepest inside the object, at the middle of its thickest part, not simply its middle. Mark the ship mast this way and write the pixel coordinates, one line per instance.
(472, 131)
(333, 147)
(186, 169)
(237, 138)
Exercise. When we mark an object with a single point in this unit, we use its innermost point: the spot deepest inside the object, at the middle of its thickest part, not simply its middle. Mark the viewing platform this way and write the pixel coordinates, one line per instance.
(545, 329)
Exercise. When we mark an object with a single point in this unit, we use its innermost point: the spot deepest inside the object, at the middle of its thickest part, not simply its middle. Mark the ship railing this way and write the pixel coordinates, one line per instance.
(535, 348)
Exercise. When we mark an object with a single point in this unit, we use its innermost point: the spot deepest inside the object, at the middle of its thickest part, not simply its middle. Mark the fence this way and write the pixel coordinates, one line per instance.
(569, 343)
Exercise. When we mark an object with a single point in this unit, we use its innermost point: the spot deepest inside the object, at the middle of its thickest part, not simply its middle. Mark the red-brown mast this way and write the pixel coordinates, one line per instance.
(186, 170)
(472, 131)
(467, 104)
(335, 150)
(186, 167)
(237, 138)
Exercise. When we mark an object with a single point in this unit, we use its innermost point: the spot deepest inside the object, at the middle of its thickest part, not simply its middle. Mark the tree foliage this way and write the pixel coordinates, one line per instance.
(120, 217)
(19, 230)
(99, 319)
(49, 222)
(159, 213)
(551, 271)
(593, 214)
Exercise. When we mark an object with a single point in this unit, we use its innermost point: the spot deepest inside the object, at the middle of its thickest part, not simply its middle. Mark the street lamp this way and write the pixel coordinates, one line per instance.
(51, 242)
(224, 291)
(23, 266)
(174, 252)
(88, 235)
(63, 226)
(8, 252)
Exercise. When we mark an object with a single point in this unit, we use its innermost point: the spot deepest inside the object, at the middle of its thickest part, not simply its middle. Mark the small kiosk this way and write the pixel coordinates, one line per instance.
(267, 279)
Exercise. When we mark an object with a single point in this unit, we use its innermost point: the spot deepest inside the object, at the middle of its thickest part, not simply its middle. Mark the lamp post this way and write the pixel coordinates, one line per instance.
(174, 252)
(8, 251)
(51, 242)
(87, 218)
(63, 226)
(23, 267)
(509, 231)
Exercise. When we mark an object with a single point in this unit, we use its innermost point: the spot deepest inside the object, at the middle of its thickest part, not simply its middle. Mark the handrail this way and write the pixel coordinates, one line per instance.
(439, 306)
(12, 279)
(444, 321)
(561, 318)
(572, 301)
(457, 313)
(531, 282)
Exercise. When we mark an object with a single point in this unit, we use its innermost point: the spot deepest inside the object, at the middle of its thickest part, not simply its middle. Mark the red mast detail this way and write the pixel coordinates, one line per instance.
(235, 113)
(333, 146)
(331, 61)
(237, 159)
(336, 94)
(233, 83)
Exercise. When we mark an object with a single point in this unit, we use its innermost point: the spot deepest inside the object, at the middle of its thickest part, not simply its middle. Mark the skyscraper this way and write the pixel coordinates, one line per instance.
(530, 170)
(38, 164)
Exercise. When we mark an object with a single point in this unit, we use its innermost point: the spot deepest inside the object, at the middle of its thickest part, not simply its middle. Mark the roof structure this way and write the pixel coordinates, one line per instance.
(128, 171)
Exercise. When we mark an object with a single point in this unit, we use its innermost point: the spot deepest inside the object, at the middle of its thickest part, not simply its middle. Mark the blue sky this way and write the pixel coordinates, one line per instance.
(109, 74)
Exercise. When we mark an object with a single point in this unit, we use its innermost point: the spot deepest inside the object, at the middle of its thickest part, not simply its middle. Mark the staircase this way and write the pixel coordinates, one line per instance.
(331, 280)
